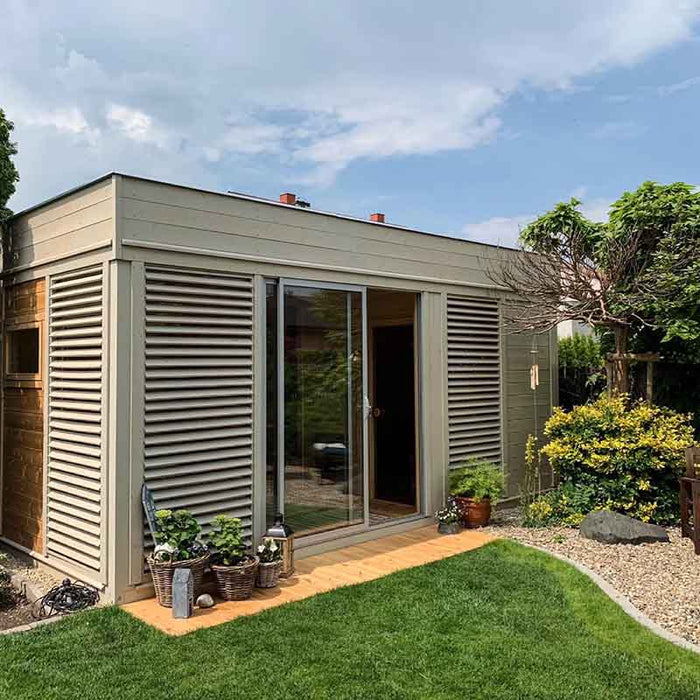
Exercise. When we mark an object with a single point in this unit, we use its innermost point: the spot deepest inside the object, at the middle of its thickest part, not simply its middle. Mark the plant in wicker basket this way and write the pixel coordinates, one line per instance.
(177, 547)
(270, 555)
(233, 568)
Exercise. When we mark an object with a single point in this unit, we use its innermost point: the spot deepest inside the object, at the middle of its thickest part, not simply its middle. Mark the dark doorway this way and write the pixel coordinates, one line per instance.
(394, 415)
(393, 482)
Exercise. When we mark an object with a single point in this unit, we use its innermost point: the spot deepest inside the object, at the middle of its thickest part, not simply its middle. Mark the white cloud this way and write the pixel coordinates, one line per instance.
(596, 209)
(505, 230)
(498, 230)
(136, 125)
(311, 89)
(680, 86)
(69, 120)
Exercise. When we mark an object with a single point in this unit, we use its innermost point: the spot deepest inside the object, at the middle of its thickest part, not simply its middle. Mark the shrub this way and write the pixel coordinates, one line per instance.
(616, 455)
(177, 535)
(532, 481)
(581, 375)
(227, 537)
(477, 479)
(567, 505)
(7, 592)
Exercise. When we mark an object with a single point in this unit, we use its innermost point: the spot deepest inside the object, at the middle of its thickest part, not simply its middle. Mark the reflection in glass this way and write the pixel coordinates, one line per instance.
(271, 400)
(323, 408)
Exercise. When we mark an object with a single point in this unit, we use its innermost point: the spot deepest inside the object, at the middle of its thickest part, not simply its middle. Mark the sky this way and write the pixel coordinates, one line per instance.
(461, 117)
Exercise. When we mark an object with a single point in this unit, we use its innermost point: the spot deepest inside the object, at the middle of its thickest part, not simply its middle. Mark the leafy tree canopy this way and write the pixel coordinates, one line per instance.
(639, 270)
(8, 173)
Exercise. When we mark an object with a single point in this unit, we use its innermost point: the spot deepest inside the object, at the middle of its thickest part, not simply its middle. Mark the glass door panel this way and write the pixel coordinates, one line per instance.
(323, 408)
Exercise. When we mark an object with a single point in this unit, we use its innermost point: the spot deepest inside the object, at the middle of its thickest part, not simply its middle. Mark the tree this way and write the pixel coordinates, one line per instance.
(8, 173)
(638, 271)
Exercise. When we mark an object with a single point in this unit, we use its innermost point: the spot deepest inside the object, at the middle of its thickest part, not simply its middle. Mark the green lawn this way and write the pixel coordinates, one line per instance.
(500, 622)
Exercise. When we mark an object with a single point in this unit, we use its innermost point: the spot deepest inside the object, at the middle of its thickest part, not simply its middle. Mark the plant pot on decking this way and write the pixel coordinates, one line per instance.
(474, 513)
(235, 582)
(162, 573)
(268, 574)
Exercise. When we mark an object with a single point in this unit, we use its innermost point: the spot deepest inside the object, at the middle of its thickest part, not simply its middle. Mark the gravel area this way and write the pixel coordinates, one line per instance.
(27, 568)
(661, 579)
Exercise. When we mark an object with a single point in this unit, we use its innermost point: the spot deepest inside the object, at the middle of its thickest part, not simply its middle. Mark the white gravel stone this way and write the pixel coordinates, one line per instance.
(25, 567)
(662, 579)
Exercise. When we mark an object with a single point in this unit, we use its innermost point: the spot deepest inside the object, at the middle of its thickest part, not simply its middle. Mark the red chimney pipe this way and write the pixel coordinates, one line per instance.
(288, 198)
(377, 218)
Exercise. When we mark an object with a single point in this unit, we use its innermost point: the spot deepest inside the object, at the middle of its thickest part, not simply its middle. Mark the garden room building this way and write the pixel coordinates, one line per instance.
(244, 356)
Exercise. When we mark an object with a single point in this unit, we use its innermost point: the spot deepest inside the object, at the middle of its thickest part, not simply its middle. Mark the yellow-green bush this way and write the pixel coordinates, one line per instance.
(617, 455)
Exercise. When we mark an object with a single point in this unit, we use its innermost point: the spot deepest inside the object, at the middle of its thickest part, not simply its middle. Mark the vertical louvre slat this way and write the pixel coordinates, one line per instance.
(75, 441)
(473, 379)
(199, 393)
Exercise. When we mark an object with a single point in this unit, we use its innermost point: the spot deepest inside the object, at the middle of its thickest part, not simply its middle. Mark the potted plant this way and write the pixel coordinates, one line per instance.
(233, 568)
(270, 556)
(177, 547)
(476, 487)
(449, 518)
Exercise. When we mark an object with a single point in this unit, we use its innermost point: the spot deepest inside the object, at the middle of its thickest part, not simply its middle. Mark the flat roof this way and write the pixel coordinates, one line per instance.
(249, 198)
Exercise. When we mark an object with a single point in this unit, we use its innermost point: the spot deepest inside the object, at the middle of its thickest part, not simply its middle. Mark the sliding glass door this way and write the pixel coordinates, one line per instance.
(322, 428)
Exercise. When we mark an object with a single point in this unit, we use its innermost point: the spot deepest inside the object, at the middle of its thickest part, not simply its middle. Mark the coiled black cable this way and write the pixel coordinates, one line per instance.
(65, 598)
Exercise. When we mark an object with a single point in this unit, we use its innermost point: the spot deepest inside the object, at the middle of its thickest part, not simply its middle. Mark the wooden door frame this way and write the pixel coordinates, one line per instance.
(413, 321)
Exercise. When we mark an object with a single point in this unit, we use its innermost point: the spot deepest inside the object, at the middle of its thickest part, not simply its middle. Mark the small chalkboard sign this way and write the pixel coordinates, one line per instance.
(149, 508)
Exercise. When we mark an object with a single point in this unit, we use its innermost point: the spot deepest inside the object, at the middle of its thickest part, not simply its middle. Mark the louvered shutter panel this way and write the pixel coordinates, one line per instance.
(473, 379)
(199, 393)
(74, 524)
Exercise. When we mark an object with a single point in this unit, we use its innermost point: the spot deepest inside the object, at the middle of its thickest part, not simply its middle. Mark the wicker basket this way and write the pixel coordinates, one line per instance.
(268, 574)
(162, 573)
(235, 582)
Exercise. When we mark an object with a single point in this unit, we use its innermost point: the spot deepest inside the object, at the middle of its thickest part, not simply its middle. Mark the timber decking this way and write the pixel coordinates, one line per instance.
(321, 573)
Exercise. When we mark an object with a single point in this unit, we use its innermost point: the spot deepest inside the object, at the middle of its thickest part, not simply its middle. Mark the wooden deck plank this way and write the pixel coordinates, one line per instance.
(321, 573)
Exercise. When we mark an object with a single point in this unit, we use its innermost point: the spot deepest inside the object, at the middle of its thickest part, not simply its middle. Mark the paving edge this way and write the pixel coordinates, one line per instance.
(622, 601)
(26, 587)
(32, 625)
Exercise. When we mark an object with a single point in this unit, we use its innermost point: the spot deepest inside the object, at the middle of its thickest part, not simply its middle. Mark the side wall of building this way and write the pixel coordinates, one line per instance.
(23, 400)
(64, 248)
(154, 347)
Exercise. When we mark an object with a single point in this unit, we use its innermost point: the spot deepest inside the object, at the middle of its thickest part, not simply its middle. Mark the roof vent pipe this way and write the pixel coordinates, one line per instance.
(377, 218)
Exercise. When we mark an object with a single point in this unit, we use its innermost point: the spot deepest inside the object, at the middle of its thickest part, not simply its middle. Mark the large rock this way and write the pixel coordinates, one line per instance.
(614, 528)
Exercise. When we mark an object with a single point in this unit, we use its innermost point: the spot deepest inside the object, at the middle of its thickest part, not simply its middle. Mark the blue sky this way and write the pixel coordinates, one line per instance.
(468, 119)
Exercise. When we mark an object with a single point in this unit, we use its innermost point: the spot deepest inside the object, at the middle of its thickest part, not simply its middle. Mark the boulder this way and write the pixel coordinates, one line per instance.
(205, 601)
(615, 528)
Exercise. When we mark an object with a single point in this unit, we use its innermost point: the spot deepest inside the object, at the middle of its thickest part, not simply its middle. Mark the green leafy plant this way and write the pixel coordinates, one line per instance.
(176, 535)
(226, 537)
(531, 485)
(614, 454)
(8, 172)
(581, 375)
(7, 592)
(566, 505)
(269, 551)
(477, 479)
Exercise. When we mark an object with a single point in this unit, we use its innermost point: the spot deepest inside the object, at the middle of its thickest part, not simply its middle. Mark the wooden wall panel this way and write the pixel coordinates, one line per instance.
(23, 430)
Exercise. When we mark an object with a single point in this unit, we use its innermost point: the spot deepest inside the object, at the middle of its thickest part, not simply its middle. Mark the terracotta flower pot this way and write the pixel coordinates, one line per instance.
(474, 514)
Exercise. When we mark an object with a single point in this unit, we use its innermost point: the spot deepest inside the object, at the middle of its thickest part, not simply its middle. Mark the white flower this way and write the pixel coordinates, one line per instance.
(164, 552)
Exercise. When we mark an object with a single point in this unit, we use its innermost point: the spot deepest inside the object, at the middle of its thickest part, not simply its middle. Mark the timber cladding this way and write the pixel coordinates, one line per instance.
(22, 516)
